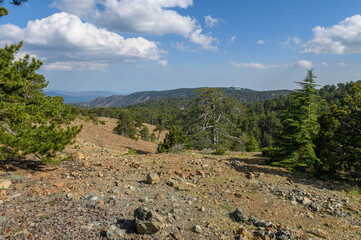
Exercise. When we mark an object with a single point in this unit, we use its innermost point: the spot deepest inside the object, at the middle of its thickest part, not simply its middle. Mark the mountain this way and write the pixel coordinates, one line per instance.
(242, 94)
(73, 97)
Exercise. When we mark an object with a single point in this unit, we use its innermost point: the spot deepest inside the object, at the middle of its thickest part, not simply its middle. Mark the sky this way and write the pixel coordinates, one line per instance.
(125, 46)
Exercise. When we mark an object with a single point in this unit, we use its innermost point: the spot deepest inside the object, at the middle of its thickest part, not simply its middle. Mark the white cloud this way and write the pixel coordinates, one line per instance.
(301, 63)
(210, 21)
(154, 17)
(260, 42)
(163, 63)
(82, 66)
(233, 38)
(342, 64)
(342, 38)
(248, 65)
(65, 38)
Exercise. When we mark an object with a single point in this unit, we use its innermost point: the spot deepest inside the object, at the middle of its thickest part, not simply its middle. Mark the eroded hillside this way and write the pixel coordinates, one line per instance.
(194, 195)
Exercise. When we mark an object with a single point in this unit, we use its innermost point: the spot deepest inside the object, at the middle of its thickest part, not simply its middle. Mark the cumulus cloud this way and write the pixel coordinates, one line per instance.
(233, 38)
(153, 17)
(65, 38)
(342, 38)
(210, 21)
(324, 64)
(301, 63)
(260, 42)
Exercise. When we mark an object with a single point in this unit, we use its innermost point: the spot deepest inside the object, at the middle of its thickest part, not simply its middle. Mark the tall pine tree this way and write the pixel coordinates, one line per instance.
(299, 127)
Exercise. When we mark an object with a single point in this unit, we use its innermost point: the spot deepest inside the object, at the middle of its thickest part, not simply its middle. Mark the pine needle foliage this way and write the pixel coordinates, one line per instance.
(30, 122)
(299, 128)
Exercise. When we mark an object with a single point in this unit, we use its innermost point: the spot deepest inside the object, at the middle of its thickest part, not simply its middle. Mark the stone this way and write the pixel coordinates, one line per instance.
(59, 184)
(160, 196)
(253, 220)
(306, 201)
(263, 224)
(77, 156)
(147, 221)
(85, 164)
(153, 178)
(184, 186)
(196, 229)
(238, 216)
(320, 233)
(5, 183)
(115, 233)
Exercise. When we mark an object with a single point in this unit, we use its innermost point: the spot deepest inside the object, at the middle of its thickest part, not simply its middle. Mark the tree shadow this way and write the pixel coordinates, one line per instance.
(139, 152)
(12, 165)
(258, 166)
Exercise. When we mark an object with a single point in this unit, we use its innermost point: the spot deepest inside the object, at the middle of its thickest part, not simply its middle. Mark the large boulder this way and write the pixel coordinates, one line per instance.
(147, 221)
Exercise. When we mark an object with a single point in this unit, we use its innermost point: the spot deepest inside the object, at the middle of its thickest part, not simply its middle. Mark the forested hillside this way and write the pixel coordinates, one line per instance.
(215, 119)
(241, 94)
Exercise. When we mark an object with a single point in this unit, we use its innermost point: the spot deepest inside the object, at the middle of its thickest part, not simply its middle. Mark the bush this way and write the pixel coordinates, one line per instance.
(174, 137)
(269, 151)
(178, 148)
(220, 151)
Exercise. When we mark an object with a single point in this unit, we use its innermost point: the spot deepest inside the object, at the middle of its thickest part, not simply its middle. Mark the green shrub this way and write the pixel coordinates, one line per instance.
(269, 151)
(220, 151)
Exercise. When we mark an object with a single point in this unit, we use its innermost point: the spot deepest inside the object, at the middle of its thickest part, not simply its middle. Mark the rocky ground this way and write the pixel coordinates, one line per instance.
(107, 192)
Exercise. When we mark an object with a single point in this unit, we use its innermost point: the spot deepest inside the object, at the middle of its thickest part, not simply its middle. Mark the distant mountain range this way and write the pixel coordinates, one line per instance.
(74, 97)
(242, 94)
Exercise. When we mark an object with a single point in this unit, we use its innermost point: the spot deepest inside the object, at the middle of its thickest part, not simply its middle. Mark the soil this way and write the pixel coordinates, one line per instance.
(197, 192)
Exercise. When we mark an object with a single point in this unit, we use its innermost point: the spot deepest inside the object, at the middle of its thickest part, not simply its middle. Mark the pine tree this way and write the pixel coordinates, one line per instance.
(339, 140)
(126, 125)
(299, 127)
(174, 137)
(30, 122)
(209, 123)
(252, 145)
(144, 133)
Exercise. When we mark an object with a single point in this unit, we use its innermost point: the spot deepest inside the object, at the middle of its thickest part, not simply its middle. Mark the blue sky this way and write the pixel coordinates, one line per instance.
(134, 45)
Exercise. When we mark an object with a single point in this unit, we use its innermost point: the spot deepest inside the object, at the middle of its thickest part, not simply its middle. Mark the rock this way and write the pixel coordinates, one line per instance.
(77, 156)
(306, 201)
(196, 229)
(160, 196)
(238, 216)
(263, 224)
(59, 184)
(320, 233)
(115, 233)
(184, 186)
(147, 221)
(5, 183)
(85, 164)
(315, 207)
(74, 174)
(250, 175)
(153, 178)
(253, 220)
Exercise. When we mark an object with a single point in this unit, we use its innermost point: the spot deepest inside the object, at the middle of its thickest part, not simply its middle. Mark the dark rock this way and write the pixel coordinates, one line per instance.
(238, 216)
(253, 220)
